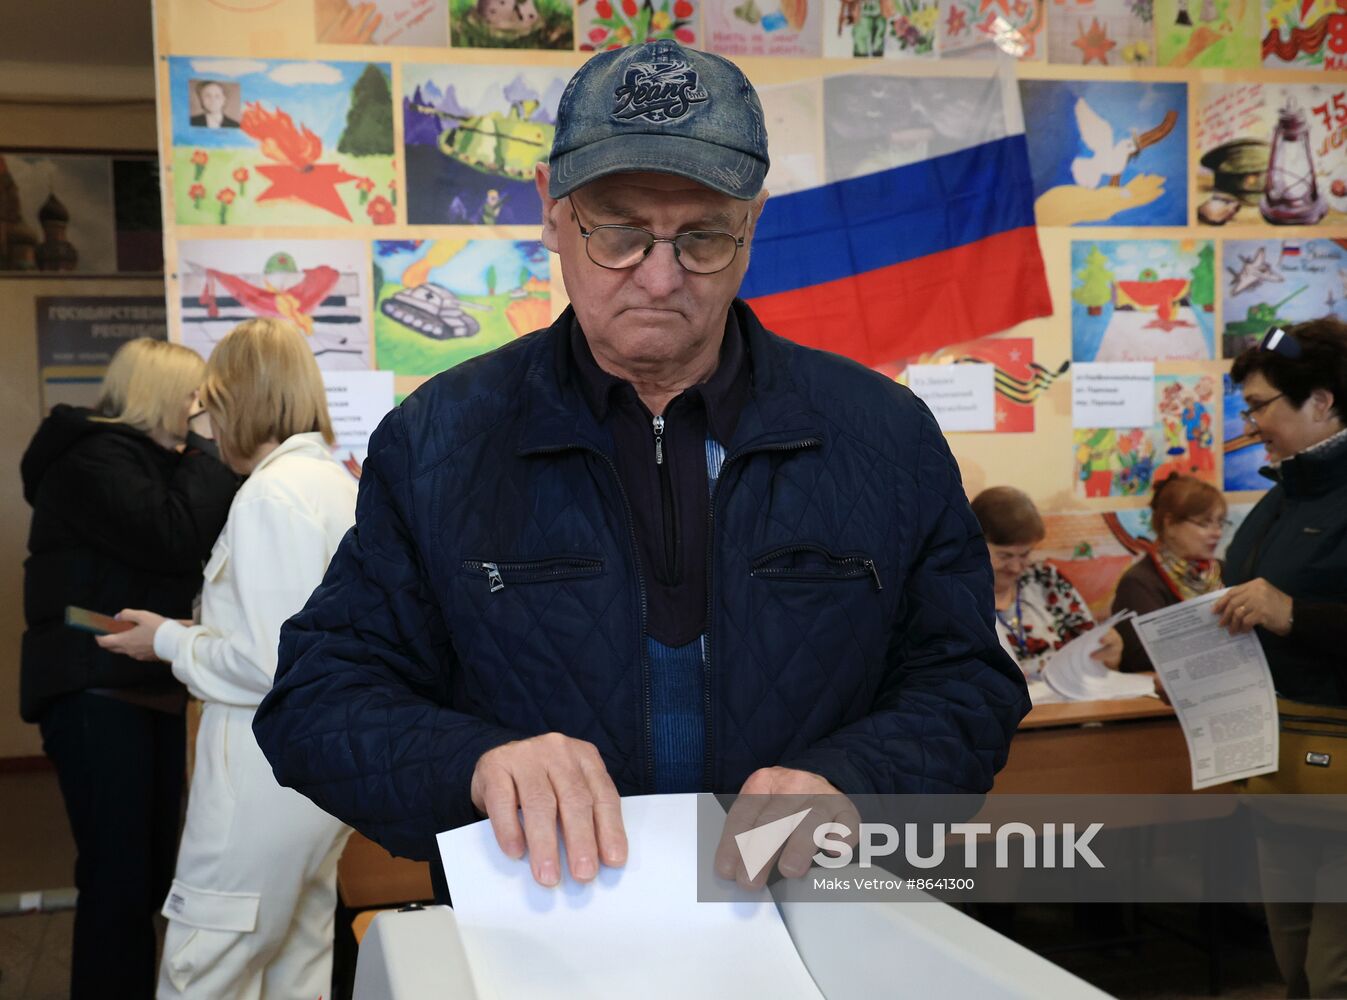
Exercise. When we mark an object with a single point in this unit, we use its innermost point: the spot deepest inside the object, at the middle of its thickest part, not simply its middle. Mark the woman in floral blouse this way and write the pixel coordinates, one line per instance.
(1037, 609)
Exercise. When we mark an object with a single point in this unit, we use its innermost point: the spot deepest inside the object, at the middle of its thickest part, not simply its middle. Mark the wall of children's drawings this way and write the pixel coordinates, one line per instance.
(364, 168)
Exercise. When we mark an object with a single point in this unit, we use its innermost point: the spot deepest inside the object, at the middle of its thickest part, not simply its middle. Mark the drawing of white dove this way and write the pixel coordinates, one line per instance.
(1108, 158)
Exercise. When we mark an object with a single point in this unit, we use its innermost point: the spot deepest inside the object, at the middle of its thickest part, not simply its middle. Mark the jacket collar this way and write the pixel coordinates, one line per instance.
(721, 395)
(1315, 471)
(557, 416)
(311, 443)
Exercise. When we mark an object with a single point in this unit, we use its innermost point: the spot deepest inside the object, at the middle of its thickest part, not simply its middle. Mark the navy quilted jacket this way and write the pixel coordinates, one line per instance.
(850, 618)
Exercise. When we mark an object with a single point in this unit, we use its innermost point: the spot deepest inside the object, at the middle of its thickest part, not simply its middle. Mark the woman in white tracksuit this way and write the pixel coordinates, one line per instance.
(251, 908)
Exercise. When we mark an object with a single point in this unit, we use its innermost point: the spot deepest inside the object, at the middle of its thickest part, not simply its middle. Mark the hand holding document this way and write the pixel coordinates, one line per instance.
(1073, 673)
(1220, 687)
(633, 931)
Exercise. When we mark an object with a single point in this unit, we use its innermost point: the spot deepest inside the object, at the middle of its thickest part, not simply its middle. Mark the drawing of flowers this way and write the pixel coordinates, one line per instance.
(225, 196)
(629, 22)
(241, 176)
(199, 160)
(380, 211)
(196, 192)
(914, 27)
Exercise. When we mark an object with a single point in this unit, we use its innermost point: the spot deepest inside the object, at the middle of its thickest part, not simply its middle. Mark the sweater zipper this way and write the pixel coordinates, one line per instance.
(640, 590)
(666, 504)
(707, 765)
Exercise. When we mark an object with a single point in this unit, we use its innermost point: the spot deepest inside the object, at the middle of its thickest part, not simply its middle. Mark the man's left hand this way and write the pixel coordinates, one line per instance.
(1256, 604)
(772, 793)
(138, 643)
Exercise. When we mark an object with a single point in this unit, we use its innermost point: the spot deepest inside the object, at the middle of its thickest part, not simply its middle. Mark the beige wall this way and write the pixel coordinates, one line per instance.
(72, 123)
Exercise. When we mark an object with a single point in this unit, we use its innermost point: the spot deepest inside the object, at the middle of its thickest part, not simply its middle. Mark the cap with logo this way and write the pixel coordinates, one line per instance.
(663, 108)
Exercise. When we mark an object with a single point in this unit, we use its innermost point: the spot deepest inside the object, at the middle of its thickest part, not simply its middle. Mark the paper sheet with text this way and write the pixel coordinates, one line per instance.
(1221, 689)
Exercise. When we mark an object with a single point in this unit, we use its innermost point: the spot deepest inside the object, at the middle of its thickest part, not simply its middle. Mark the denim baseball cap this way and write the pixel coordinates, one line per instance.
(662, 108)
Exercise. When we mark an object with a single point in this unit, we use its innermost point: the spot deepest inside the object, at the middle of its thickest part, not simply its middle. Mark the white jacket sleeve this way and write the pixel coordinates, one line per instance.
(276, 557)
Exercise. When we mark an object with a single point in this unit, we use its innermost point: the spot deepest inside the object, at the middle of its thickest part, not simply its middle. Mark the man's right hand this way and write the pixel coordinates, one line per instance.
(549, 778)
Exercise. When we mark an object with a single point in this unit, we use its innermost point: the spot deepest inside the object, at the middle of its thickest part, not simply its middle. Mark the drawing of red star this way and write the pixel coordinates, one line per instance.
(956, 21)
(1094, 43)
(316, 186)
(987, 4)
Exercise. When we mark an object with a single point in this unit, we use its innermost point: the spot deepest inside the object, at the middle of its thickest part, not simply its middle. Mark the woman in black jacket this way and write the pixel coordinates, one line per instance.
(126, 506)
(1287, 573)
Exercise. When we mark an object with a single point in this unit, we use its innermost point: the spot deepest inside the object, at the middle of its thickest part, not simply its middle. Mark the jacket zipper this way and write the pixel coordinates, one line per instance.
(707, 766)
(860, 565)
(640, 590)
(529, 572)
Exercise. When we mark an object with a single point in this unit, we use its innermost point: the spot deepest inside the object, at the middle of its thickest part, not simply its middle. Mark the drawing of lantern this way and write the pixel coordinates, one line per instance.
(1291, 194)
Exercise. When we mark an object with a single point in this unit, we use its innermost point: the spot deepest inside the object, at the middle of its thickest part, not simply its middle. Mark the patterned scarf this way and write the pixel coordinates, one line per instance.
(1189, 577)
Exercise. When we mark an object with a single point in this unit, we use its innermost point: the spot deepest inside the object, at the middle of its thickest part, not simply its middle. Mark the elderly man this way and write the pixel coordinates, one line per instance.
(652, 548)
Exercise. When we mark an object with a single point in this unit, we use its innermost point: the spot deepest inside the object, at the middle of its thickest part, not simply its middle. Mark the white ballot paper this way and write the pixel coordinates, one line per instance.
(635, 931)
(1221, 689)
(1075, 675)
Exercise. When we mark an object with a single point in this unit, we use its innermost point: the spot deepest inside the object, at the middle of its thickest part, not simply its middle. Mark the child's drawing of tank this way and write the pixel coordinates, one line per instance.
(433, 311)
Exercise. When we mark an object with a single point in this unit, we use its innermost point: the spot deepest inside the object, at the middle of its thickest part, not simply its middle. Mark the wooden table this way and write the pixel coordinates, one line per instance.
(1127, 746)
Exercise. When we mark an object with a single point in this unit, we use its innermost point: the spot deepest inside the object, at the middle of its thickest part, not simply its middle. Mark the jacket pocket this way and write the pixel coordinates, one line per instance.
(497, 575)
(812, 563)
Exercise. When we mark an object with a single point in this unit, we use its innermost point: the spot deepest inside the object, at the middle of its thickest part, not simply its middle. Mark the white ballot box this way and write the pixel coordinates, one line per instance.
(853, 951)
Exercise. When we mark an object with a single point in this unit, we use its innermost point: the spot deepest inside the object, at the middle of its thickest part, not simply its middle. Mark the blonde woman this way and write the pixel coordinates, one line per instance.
(250, 910)
(126, 506)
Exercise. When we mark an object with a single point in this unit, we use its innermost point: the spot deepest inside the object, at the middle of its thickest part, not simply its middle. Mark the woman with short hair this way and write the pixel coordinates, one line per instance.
(1188, 520)
(250, 912)
(126, 506)
(1038, 611)
(1287, 572)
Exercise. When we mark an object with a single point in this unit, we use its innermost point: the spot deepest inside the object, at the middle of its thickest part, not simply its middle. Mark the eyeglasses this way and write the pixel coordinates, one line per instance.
(620, 247)
(1220, 523)
(1248, 415)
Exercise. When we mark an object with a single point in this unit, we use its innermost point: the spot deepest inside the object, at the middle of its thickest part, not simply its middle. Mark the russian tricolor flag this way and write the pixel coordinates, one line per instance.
(923, 234)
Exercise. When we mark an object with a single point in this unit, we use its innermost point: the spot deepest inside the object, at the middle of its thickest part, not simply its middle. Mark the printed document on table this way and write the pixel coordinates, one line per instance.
(635, 931)
(1221, 689)
(1075, 675)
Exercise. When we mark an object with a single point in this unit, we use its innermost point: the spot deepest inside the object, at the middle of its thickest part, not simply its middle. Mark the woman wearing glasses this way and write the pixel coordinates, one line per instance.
(1038, 611)
(1287, 572)
(1188, 518)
